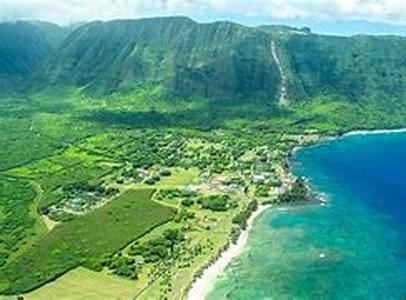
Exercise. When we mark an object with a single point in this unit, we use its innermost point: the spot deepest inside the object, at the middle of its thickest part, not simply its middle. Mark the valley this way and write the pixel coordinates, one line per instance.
(133, 152)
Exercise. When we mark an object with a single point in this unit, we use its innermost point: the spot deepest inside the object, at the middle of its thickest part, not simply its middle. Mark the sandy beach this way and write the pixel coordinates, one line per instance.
(202, 285)
(378, 131)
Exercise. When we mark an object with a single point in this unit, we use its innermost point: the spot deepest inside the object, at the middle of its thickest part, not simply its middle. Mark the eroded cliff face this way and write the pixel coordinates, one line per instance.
(180, 58)
(187, 59)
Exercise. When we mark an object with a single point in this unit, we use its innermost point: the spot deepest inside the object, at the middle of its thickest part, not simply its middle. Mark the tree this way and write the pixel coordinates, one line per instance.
(298, 192)
(188, 202)
(165, 173)
(173, 237)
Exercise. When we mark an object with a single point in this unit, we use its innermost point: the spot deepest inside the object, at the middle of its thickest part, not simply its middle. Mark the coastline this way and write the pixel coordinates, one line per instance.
(327, 138)
(377, 131)
(201, 286)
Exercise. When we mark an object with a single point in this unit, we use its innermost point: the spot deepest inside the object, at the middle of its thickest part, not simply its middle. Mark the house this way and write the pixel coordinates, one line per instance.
(259, 178)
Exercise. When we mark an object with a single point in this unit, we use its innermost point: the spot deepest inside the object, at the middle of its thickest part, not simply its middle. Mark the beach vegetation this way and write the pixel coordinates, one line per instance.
(299, 192)
(242, 217)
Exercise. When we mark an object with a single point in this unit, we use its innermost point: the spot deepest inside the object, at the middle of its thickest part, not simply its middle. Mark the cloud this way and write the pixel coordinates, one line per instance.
(67, 11)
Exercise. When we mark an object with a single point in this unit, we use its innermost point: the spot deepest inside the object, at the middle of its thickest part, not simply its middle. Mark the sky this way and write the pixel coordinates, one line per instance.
(343, 17)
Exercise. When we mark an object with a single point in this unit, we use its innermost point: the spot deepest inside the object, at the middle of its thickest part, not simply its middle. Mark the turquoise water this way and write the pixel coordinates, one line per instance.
(352, 248)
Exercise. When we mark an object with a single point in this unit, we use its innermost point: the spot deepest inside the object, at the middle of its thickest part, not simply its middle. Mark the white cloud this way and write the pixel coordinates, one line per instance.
(66, 11)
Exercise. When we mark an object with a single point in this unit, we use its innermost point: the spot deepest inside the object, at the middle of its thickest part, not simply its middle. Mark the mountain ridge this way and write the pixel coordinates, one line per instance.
(23, 47)
(221, 60)
(187, 58)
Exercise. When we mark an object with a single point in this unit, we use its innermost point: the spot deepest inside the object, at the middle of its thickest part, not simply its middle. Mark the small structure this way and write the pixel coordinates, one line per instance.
(259, 178)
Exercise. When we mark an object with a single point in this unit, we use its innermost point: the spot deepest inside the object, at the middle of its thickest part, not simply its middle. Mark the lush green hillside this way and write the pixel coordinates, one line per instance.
(178, 57)
(184, 58)
(355, 68)
(24, 46)
(167, 66)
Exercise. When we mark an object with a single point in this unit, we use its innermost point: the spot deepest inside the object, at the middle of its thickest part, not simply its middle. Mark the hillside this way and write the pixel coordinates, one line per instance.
(182, 57)
(353, 68)
(24, 46)
(178, 58)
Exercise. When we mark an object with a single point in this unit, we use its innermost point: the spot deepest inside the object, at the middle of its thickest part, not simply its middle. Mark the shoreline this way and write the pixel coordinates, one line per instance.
(375, 131)
(327, 138)
(201, 286)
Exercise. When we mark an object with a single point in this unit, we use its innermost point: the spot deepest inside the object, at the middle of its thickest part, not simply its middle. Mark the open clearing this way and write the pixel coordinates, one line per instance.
(83, 283)
(179, 177)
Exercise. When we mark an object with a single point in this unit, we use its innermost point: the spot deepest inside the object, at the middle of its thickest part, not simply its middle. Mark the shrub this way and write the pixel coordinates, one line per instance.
(165, 173)
(241, 218)
(299, 192)
(216, 202)
(150, 181)
(187, 202)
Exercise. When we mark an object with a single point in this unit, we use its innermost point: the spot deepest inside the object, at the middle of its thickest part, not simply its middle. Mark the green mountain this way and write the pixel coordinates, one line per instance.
(54, 34)
(24, 46)
(186, 59)
(180, 58)
(354, 68)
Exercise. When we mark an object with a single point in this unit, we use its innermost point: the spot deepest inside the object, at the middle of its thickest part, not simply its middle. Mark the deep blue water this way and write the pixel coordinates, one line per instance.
(352, 248)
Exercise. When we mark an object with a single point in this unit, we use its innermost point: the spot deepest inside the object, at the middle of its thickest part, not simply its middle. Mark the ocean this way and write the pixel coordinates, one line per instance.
(352, 248)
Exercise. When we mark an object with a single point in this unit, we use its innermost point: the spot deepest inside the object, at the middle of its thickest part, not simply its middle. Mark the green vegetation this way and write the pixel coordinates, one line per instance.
(159, 248)
(70, 166)
(15, 220)
(23, 47)
(172, 194)
(81, 187)
(77, 198)
(124, 267)
(241, 218)
(99, 286)
(85, 240)
(356, 68)
(215, 53)
(183, 108)
(262, 191)
(216, 202)
(187, 202)
(230, 80)
(298, 193)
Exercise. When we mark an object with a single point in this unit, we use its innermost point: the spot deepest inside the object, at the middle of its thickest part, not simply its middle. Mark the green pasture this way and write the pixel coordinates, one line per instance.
(86, 240)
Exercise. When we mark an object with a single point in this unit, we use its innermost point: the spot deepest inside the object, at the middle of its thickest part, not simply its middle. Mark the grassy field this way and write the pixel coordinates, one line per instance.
(82, 283)
(17, 220)
(39, 125)
(86, 240)
(179, 177)
(69, 166)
